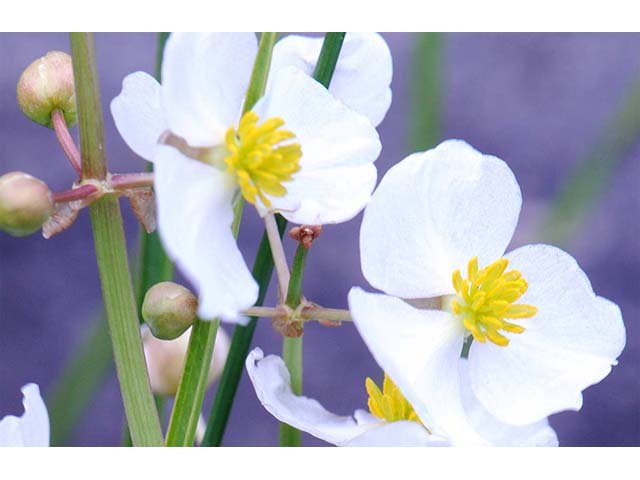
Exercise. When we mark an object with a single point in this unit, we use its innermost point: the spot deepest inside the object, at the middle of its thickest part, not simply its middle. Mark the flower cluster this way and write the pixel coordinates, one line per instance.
(478, 345)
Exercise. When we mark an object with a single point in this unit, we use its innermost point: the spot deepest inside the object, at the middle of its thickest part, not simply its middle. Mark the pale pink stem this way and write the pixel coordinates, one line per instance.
(277, 251)
(123, 181)
(66, 141)
(75, 193)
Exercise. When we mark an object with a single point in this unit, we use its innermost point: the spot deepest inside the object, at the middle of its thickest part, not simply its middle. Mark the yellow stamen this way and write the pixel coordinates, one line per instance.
(389, 404)
(487, 297)
(258, 158)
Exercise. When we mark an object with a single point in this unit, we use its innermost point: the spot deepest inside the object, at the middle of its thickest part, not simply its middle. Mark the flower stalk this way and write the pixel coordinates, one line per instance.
(66, 141)
(111, 254)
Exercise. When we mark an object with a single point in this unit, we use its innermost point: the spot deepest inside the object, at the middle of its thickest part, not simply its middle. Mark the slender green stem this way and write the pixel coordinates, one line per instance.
(188, 404)
(111, 254)
(262, 271)
(184, 419)
(328, 58)
(427, 91)
(292, 346)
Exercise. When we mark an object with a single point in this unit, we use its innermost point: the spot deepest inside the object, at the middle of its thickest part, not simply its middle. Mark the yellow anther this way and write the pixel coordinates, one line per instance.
(258, 159)
(389, 404)
(486, 298)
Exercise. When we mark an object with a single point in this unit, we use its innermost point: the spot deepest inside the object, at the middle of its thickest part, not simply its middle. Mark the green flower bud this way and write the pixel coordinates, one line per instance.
(25, 203)
(47, 85)
(169, 309)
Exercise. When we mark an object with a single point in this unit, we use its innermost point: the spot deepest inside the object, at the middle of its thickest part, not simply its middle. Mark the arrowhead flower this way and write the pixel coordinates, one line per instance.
(434, 235)
(300, 152)
(390, 422)
(32, 428)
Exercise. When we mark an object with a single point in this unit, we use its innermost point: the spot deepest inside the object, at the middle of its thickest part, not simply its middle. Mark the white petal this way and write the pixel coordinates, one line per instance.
(204, 79)
(539, 434)
(420, 351)
(138, 114)
(432, 213)
(272, 382)
(194, 221)
(569, 344)
(32, 428)
(339, 147)
(362, 77)
(398, 434)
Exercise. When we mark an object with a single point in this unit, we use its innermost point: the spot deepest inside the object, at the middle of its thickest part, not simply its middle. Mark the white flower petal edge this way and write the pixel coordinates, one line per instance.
(425, 371)
(194, 220)
(437, 209)
(138, 115)
(32, 428)
(362, 77)
(570, 344)
(204, 79)
(398, 434)
(339, 147)
(538, 434)
(272, 383)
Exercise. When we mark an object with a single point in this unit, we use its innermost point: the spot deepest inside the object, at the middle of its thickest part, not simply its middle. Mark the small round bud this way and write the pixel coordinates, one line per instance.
(47, 85)
(165, 360)
(169, 309)
(25, 203)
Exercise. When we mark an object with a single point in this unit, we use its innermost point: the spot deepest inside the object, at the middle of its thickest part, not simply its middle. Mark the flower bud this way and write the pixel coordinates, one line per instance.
(169, 309)
(166, 358)
(47, 85)
(25, 203)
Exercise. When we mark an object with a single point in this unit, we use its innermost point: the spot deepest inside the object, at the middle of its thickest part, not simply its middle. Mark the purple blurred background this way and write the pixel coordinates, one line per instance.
(537, 101)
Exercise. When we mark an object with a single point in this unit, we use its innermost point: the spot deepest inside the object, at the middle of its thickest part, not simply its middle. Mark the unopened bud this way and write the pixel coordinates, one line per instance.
(47, 85)
(169, 309)
(25, 203)
(166, 358)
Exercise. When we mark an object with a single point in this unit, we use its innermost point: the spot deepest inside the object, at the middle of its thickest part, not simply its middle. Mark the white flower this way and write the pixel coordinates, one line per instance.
(300, 152)
(392, 423)
(437, 228)
(32, 428)
(165, 359)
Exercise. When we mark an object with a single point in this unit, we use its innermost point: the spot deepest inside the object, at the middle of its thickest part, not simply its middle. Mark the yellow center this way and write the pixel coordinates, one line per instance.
(486, 297)
(389, 404)
(258, 158)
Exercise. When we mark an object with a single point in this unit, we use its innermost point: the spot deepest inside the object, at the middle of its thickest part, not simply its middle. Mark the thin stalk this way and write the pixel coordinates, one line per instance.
(188, 404)
(111, 254)
(277, 252)
(292, 346)
(66, 141)
(242, 336)
(72, 194)
(426, 91)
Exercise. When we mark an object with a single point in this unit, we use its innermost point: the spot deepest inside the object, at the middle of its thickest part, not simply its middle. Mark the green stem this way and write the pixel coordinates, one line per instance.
(328, 58)
(427, 91)
(262, 271)
(292, 346)
(188, 404)
(186, 411)
(111, 254)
